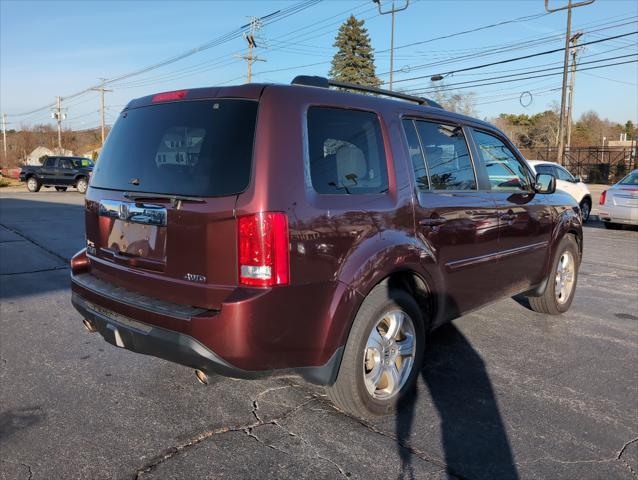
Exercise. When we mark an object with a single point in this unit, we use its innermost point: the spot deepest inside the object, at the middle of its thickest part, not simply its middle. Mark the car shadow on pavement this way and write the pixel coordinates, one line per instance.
(474, 439)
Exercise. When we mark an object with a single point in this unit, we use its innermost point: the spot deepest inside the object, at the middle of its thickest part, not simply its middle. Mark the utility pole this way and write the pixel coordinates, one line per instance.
(392, 11)
(101, 89)
(563, 98)
(255, 25)
(58, 115)
(572, 81)
(4, 135)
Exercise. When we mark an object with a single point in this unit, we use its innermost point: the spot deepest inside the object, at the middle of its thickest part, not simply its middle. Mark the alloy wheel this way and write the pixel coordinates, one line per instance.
(565, 274)
(389, 355)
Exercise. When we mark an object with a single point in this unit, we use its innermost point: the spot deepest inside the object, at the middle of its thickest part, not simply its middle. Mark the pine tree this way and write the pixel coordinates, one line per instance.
(354, 61)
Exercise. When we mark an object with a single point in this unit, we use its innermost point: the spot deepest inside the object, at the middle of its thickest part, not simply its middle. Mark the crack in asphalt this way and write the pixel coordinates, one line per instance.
(261, 394)
(43, 247)
(173, 451)
(26, 465)
(34, 271)
(618, 457)
(317, 454)
(620, 453)
(413, 451)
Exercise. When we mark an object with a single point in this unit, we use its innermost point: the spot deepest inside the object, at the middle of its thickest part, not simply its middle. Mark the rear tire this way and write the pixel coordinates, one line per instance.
(374, 374)
(82, 185)
(585, 208)
(612, 226)
(33, 184)
(61, 189)
(561, 284)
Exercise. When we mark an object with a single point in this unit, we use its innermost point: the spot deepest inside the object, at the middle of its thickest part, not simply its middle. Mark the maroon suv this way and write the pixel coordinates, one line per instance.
(267, 229)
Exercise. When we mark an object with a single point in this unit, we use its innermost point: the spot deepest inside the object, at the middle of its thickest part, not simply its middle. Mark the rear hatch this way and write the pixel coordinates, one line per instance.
(160, 214)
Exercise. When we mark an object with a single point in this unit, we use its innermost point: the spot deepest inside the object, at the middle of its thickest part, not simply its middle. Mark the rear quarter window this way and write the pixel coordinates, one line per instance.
(197, 148)
(346, 152)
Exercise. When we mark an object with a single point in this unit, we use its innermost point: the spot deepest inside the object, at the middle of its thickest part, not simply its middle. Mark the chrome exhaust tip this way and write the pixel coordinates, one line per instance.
(201, 377)
(89, 326)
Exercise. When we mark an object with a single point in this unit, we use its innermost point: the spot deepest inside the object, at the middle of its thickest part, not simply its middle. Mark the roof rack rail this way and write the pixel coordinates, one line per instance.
(322, 82)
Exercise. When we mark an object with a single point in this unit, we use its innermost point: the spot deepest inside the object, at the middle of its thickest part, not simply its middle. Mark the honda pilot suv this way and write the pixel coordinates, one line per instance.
(301, 229)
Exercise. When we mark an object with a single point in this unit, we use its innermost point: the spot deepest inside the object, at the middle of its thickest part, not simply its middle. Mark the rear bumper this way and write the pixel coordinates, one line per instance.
(125, 332)
(256, 333)
(619, 214)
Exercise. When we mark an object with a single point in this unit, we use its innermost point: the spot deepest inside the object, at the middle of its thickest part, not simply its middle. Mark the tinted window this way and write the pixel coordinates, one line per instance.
(50, 162)
(504, 170)
(64, 163)
(447, 157)
(346, 152)
(416, 155)
(564, 175)
(546, 169)
(199, 148)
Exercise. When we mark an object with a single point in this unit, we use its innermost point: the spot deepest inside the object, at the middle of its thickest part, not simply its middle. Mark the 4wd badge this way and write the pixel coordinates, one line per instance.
(191, 277)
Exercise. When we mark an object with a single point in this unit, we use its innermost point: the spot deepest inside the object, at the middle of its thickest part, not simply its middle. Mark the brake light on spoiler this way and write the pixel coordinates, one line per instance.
(170, 96)
(264, 255)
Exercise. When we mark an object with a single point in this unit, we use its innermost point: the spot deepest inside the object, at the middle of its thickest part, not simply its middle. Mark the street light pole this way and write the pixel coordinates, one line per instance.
(563, 98)
(392, 11)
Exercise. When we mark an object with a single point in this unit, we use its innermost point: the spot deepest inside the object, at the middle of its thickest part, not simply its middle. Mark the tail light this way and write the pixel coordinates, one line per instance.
(603, 196)
(264, 257)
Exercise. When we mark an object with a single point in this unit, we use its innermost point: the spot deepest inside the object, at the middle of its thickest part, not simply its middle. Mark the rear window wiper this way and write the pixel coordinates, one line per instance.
(176, 200)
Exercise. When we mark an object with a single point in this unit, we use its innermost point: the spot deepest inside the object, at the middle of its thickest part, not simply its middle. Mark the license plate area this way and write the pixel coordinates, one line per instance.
(137, 240)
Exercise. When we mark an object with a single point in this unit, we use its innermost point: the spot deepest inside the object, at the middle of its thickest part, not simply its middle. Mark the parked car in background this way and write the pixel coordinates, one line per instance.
(58, 172)
(619, 203)
(567, 182)
(274, 229)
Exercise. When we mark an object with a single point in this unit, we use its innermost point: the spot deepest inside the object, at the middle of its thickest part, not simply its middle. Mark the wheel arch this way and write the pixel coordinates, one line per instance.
(79, 176)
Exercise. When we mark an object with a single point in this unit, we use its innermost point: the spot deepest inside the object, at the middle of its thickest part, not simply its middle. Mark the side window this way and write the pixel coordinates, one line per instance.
(346, 152)
(64, 163)
(50, 162)
(416, 155)
(564, 175)
(546, 169)
(504, 170)
(447, 156)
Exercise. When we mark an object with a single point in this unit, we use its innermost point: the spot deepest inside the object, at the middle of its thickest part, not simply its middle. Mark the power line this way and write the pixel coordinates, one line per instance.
(515, 59)
(430, 89)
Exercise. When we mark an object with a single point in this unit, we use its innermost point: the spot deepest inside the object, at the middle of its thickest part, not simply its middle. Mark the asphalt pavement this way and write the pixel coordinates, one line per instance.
(505, 392)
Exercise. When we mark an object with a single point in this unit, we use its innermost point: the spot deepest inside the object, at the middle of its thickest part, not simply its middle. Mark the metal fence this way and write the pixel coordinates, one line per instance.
(592, 164)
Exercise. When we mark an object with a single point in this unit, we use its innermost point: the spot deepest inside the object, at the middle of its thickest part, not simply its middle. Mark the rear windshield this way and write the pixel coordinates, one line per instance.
(196, 148)
(631, 179)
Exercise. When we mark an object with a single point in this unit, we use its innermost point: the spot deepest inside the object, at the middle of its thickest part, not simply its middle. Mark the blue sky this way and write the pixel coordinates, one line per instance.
(51, 48)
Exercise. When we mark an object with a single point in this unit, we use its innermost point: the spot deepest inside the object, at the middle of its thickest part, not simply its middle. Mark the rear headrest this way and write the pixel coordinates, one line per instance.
(350, 160)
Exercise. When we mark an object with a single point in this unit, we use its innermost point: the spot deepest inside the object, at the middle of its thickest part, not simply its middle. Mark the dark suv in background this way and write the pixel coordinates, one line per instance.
(269, 229)
(58, 172)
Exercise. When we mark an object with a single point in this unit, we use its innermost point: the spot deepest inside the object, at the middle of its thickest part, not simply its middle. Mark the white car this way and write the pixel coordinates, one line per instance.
(619, 203)
(566, 182)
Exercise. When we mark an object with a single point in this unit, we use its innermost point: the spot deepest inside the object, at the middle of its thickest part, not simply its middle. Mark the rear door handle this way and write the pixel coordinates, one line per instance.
(432, 221)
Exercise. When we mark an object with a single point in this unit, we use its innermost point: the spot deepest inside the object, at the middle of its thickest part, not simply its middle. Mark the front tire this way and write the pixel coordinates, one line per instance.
(33, 184)
(585, 208)
(383, 354)
(561, 284)
(82, 185)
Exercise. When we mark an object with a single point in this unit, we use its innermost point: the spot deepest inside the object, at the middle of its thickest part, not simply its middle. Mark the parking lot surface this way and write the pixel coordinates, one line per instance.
(505, 392)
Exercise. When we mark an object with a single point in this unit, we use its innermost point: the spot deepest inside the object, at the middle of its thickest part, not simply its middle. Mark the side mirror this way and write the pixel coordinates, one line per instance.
(545, 183)
(577, 179)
